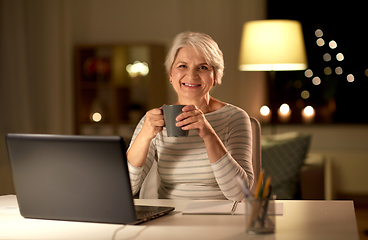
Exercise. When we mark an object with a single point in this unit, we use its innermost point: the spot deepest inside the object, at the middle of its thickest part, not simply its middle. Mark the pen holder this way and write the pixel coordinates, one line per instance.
(260, 215)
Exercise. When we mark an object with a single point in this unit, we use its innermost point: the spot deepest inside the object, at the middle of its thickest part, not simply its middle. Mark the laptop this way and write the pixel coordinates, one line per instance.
(75, 178)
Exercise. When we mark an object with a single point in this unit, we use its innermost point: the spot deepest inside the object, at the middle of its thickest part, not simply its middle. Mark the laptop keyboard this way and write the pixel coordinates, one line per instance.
(145, 213)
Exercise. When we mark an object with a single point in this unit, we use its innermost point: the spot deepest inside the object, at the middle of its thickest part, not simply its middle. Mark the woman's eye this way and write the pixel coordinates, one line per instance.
(182, 66)
(203, 68)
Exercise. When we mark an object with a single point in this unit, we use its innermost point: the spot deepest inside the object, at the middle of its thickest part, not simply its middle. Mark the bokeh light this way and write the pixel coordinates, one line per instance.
(350, 78)
(318, 33)
(308, 110)
(265, 110)
(320, 42)
(327, 57)
(340, 57)
(96, 117)
(316, 81)
(332, 44)
(338, 70)
(327, 71)
(308, 73)
(284, 108)
(305, 94)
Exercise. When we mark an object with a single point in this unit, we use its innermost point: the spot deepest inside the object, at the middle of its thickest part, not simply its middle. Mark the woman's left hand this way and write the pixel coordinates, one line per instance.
(193, 118)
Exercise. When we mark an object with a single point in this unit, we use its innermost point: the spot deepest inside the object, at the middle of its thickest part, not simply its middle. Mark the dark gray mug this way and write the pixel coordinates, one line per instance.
(170, 113)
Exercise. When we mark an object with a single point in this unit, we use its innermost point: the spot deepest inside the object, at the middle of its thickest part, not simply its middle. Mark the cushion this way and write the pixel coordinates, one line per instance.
(282, 158)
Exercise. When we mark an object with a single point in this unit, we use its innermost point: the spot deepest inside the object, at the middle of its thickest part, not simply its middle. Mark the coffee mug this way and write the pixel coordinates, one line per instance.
(170, 114)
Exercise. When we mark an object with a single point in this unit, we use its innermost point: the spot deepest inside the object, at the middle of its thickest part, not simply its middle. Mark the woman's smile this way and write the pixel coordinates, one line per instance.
(191, 85)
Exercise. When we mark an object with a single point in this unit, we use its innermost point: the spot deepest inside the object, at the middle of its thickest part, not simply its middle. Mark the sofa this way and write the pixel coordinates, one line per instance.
(296, 173)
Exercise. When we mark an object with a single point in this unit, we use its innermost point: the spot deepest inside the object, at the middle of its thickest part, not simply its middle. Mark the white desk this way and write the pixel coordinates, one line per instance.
(300, 220)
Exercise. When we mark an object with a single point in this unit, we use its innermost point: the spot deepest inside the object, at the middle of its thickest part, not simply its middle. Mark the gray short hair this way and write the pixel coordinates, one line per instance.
(202, 43)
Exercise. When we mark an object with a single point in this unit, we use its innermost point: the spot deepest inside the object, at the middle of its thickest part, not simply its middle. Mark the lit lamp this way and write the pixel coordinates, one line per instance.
(272, 45)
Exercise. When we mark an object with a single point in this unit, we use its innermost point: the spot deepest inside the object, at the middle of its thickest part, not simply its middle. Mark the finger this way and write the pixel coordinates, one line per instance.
(154, 117)
(192, 113)
(157, 120)
(194, 119)
(156, 111)
(188, 108)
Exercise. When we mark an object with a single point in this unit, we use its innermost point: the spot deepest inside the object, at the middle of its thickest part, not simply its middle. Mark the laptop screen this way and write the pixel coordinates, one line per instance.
(78, 178)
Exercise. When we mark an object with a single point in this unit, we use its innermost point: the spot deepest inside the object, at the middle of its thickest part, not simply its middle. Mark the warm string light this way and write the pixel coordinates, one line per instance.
(327, 58)
(333, 55)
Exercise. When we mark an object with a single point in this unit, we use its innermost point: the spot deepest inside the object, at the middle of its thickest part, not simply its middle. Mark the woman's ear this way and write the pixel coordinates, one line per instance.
(170, 75)
(214, 79)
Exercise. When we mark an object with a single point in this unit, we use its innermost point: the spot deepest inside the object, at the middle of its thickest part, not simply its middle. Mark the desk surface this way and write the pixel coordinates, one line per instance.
(300, 220)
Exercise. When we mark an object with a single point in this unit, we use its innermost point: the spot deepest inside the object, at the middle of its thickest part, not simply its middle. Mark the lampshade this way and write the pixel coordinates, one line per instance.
(272, 45)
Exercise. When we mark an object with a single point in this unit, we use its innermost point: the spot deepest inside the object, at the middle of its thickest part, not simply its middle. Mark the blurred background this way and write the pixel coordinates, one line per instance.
(45, 46)
(63, 60)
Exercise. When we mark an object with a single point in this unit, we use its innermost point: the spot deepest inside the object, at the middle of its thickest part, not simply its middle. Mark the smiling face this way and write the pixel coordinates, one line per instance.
(191, 77)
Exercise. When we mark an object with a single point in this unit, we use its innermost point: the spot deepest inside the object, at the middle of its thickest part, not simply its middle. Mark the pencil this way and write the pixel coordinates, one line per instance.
(259, 183)
(266, 186)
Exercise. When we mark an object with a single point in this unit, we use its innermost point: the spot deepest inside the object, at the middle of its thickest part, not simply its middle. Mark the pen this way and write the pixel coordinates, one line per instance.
(245, 189)
(265, 208)
(233, 208)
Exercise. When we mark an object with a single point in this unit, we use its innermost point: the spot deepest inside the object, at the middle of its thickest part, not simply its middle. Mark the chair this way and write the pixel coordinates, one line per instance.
(256, 151)
(152, 181)
(150, 184)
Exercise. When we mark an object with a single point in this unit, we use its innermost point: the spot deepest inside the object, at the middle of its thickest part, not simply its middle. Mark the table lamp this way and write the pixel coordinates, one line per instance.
(272, 45)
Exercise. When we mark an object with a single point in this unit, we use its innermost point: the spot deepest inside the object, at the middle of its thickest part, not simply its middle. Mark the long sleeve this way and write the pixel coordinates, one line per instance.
(238, 160)
(138, 174)
(183, 164)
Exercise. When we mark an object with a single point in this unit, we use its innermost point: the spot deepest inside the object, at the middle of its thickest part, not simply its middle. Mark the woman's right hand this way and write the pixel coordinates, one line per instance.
(153, 123)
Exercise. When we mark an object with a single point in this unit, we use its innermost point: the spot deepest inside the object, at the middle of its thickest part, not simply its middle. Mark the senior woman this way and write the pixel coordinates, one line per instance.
(204, 164)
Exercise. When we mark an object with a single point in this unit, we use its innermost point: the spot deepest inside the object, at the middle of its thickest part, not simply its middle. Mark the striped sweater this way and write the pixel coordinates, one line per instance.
(183, 164)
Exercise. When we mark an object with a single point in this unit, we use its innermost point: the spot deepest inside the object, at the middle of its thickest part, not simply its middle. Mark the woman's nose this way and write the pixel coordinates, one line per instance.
(192, 73)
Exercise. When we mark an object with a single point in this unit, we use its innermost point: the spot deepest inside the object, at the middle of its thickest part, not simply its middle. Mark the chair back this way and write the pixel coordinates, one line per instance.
(256, 151)
(151, 183)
